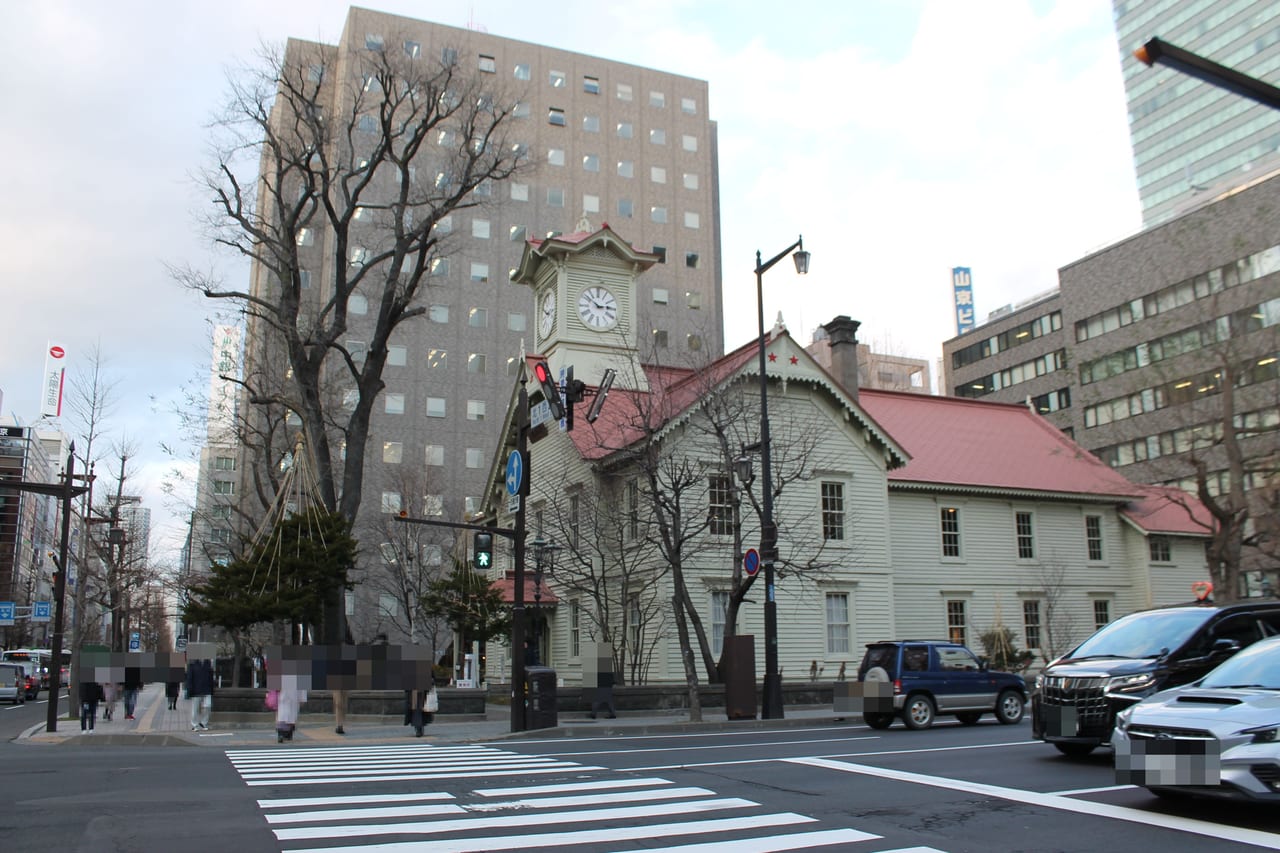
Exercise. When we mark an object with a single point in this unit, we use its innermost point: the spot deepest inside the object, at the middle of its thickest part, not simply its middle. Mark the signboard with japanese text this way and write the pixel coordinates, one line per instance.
(962, 286)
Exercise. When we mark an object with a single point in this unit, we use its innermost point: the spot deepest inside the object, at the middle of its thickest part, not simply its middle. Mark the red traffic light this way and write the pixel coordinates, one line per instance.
(550, 390)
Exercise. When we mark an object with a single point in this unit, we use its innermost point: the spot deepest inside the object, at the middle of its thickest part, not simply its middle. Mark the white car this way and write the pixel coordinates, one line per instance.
(1218, 737)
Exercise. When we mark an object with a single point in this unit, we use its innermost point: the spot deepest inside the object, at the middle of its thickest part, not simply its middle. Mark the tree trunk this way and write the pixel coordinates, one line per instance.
(686, 657)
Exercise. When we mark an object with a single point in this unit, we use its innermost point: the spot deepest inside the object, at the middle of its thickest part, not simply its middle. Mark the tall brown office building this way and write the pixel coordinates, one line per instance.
(608, 142)
(1127, 355)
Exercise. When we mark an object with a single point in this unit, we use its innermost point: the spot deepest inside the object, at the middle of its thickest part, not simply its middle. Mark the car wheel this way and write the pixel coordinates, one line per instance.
(1074, 750)
(878, 721)
(969, 718)
(918, 713)
(1010, 707)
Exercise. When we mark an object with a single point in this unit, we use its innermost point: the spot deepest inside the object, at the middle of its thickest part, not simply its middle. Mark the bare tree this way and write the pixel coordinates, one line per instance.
(335, 170)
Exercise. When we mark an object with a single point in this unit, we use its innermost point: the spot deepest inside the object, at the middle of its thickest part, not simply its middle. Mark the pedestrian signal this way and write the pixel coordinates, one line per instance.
(482, 551)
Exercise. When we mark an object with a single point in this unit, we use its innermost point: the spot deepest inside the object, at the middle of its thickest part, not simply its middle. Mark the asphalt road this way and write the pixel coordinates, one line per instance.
(15, 719)
(833, 787)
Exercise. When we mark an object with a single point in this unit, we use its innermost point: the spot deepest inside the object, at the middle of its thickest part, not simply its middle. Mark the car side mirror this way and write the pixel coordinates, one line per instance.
(1224, 647)
(983, 663)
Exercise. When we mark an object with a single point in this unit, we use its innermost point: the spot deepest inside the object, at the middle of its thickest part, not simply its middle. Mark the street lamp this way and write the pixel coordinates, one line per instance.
(772, 709)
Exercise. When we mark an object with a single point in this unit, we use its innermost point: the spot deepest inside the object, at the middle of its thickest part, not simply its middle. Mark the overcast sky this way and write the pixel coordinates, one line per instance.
(901, 137)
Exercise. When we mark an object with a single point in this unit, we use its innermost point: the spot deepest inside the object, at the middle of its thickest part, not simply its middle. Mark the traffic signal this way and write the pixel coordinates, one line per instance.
(574, 391)
(550, 390)
(482, 551)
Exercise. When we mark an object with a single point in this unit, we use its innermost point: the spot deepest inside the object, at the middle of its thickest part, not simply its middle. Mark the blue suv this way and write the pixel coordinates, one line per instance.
(919, 679)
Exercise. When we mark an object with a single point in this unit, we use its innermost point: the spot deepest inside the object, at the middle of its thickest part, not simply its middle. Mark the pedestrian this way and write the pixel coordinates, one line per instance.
(132, 684)
(171, 693)
(110, 690)
(199, 683)
(288, 703)
(419, 706)
(90, 696)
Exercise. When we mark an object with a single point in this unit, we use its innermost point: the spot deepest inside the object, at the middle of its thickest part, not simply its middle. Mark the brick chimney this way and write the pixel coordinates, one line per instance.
(842, 334)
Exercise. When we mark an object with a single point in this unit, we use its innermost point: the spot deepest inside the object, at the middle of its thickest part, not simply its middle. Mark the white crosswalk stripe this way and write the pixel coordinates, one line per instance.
(586, 807)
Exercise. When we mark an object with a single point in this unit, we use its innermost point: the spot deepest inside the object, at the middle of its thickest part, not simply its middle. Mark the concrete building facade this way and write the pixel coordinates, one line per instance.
(1191, 140)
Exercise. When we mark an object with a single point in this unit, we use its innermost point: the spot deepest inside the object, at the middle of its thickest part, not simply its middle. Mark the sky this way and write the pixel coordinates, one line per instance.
(900, 137)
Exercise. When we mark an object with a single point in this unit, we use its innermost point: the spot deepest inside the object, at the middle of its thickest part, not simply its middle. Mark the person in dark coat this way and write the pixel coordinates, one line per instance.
(90, 696)
(414, 710)
(132, 685)
(171, 693)
(200, 692)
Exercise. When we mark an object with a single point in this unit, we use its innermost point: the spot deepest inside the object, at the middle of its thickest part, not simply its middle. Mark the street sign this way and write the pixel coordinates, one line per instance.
(135, 641)
(181, 644)
(41, 611)
(751, 562)
(515, 473)
(6, 612)
(513, 503)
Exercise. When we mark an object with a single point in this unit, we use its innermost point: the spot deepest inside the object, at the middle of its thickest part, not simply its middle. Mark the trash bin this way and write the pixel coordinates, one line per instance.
(739, 677)
(540, 688)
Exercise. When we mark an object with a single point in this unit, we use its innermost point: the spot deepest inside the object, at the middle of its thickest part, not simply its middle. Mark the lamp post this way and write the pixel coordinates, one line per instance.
(772, 705)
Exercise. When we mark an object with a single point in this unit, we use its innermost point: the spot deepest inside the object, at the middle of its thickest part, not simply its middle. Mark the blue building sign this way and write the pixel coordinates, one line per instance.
(962, 285)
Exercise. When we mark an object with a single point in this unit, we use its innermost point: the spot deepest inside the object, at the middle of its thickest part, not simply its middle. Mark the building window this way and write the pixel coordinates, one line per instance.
(390, 502)
(1160, 550)
(591, 124)
(590, 203)
(517, 233)
(439, 267)
(224, 463)
(521, 71)
(1101, 612)
(575, 629)
(555, 197)
(690, 181)
(1093, 536)
(395, 404)
(449, 56)
(357, 304)
(720, 505)
(659, 338)
(694, 342)
(624, 91)
(956, 622)
(480, 229)
(1031, 623)
(626, 208)
(392, 452)
(626, 169)
(633, 510)
(476, 362)
(373, 41)
(692, 220)
(224, 487)
(950, 531)
(1026, 537)
(435, 454)
(436, 407)
(557, 79)
(657, 136)
(397, 355)
(306, 236)
(657, 99)
(433, 504)
(488, 64)
(657, 174)
(556, 116)
(479, 271)
(833, 511)
(575, 521)
(517, 321)
(658, 214)
(519, 192)
(437, 359)
(555, 157)
(220, 535)
(591, 85)
(626, 130)
(661, 295)
(691, 260)
(591, 162)
(661, 252)
(475, 457)
(475, 410)
(438, 313)
(444, 224)
(635, 621)
(688, 106)
(478, 318)
(223, 512)
(719, 614)
(693, 300)
(838, 623)
(689, 143)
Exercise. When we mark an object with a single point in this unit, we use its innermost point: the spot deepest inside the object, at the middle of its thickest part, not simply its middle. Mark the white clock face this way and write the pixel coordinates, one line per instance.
(547, 314)
(598, 308)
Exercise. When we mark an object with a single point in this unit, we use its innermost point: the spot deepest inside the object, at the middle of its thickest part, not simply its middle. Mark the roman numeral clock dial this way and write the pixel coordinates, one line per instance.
(598, 308)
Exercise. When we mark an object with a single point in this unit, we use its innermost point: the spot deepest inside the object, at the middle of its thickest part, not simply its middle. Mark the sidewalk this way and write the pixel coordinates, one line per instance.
(155, 725)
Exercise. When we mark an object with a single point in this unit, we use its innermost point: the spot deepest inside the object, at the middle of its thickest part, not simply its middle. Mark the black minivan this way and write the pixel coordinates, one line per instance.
(1075, 699)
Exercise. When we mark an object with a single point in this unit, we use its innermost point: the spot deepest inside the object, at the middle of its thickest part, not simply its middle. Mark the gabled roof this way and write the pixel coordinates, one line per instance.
(539, 250)
(1163, 509)
(506, 587)
(977, 446)
(675, 392)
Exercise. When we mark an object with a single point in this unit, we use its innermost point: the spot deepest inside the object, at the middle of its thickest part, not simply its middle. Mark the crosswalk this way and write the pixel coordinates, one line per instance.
(479, 798)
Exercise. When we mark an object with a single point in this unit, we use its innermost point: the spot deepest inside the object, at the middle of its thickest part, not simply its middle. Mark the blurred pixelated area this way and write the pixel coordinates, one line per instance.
(1168, 761)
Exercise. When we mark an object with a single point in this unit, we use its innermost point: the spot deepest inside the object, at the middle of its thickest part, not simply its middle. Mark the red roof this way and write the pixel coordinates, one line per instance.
(971, 443)
(1163, 509)
(507, 586)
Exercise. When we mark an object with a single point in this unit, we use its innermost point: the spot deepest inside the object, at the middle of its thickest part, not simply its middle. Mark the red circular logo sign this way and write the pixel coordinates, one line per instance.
(57, 352)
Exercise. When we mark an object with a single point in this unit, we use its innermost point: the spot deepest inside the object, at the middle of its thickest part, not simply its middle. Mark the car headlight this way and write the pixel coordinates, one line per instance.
(1131, 683)
(1035, 682)
(1263, 734)
(1122, 719)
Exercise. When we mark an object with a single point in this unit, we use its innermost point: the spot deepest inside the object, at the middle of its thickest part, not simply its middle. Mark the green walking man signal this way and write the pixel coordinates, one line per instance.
(482, 552)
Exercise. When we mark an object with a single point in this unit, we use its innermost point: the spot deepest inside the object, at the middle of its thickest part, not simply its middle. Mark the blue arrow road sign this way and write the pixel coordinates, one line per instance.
(135, 641)
(6, 612)
(515, 473)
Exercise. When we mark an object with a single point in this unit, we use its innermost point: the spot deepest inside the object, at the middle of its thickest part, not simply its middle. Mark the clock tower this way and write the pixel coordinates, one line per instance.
(584, 287)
